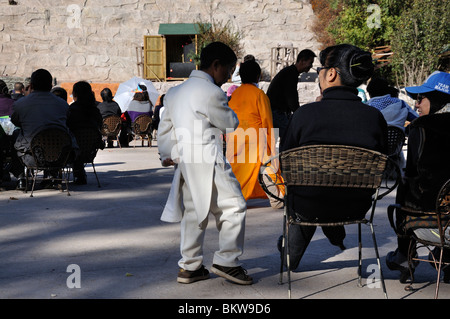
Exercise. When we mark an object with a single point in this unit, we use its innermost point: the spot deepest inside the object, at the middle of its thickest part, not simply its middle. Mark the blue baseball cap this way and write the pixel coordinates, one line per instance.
(437, 81)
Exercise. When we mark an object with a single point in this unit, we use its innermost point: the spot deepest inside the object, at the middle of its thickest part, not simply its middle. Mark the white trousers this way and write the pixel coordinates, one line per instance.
(229, 209)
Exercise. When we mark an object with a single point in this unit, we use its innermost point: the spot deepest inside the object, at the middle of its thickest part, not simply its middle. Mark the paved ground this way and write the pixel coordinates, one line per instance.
(123, 250)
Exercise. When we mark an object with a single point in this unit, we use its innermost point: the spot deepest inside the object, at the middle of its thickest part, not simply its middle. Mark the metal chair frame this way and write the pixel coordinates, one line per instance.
(112, 127)
(51, 149)
(331, 166)
(142, 126)
(441, 216)
(396, 140)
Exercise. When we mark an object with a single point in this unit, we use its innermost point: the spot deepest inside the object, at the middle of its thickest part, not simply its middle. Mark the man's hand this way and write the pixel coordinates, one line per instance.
(168, 162)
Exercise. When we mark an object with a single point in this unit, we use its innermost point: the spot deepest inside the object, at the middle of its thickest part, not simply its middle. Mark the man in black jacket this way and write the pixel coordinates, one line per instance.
(339, 118)
(32, 113)
(283, 93)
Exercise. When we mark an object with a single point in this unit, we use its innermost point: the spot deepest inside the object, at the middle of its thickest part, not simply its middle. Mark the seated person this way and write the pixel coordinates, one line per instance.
(339, 118)
(109, 107)
(140, 104)
(156, 116)
(427, 162)
(383, 97)
(38, 110)
(61, 92)
(19, 91)
(3, 151)
(6, 102)
(253, 142)
(83, 113)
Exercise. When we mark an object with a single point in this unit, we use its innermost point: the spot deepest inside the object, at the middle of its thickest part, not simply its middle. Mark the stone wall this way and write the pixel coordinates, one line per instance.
(96, 40)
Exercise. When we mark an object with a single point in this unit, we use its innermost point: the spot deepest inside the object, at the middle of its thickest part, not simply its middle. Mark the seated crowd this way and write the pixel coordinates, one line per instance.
(35, 105)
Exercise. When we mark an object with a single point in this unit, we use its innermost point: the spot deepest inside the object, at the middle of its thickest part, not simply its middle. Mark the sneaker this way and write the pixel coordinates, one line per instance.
(188, 276)
(395, 260)
(235, 274)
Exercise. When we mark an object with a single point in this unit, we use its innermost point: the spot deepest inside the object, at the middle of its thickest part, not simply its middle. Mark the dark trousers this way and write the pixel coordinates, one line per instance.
(280, 122)
(300, 237)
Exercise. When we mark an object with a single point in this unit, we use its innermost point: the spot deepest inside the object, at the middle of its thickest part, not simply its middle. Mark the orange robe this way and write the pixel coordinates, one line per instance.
(253, 142)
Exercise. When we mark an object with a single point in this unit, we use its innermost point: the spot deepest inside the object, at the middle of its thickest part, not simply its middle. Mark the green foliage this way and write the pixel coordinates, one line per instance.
(422, 34)
(217, 31)
(358, 22)
(417, 30)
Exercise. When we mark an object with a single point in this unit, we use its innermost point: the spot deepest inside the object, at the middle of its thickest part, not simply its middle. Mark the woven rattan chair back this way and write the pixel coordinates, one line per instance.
(142, 127)
(333, 166)
(142, 124)
(111, 128)
(51, 149)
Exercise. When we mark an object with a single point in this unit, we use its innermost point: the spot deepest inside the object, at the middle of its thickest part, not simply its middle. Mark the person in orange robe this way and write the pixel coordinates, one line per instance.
(253, 142)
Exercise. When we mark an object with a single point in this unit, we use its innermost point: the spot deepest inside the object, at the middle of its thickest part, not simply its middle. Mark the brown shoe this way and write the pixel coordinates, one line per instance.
(187, 276)
(235, 274)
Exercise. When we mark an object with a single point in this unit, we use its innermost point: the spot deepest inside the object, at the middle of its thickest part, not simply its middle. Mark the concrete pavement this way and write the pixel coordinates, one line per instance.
(110, 242)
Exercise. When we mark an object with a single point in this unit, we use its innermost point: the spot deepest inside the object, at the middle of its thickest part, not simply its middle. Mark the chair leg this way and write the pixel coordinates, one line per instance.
(65, 173)
(34, 182)
(439, 274)
(378, 261)
(283, 249)
(411, 253)
(288, 263)
(27, 175)
(98, 182)
(359, 256)
(118, 140)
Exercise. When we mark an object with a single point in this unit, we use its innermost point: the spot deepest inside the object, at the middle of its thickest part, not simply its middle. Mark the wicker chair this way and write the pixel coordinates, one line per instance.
(89, 141)
(438, 222)
(51, 149)
(112, 126)
(142, 127)
(331, 166)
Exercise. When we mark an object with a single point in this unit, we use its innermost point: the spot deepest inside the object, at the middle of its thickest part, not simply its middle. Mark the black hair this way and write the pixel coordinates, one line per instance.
(19, 86)
(437, 100)
(250, 71)
(82, 90)
(41, 80)
(60, 92)
(353, 64)
(216, 51)
(141, 96)
(378, 87)
(4, 88)
(249, 57)
(305, 55)
(106, 95)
